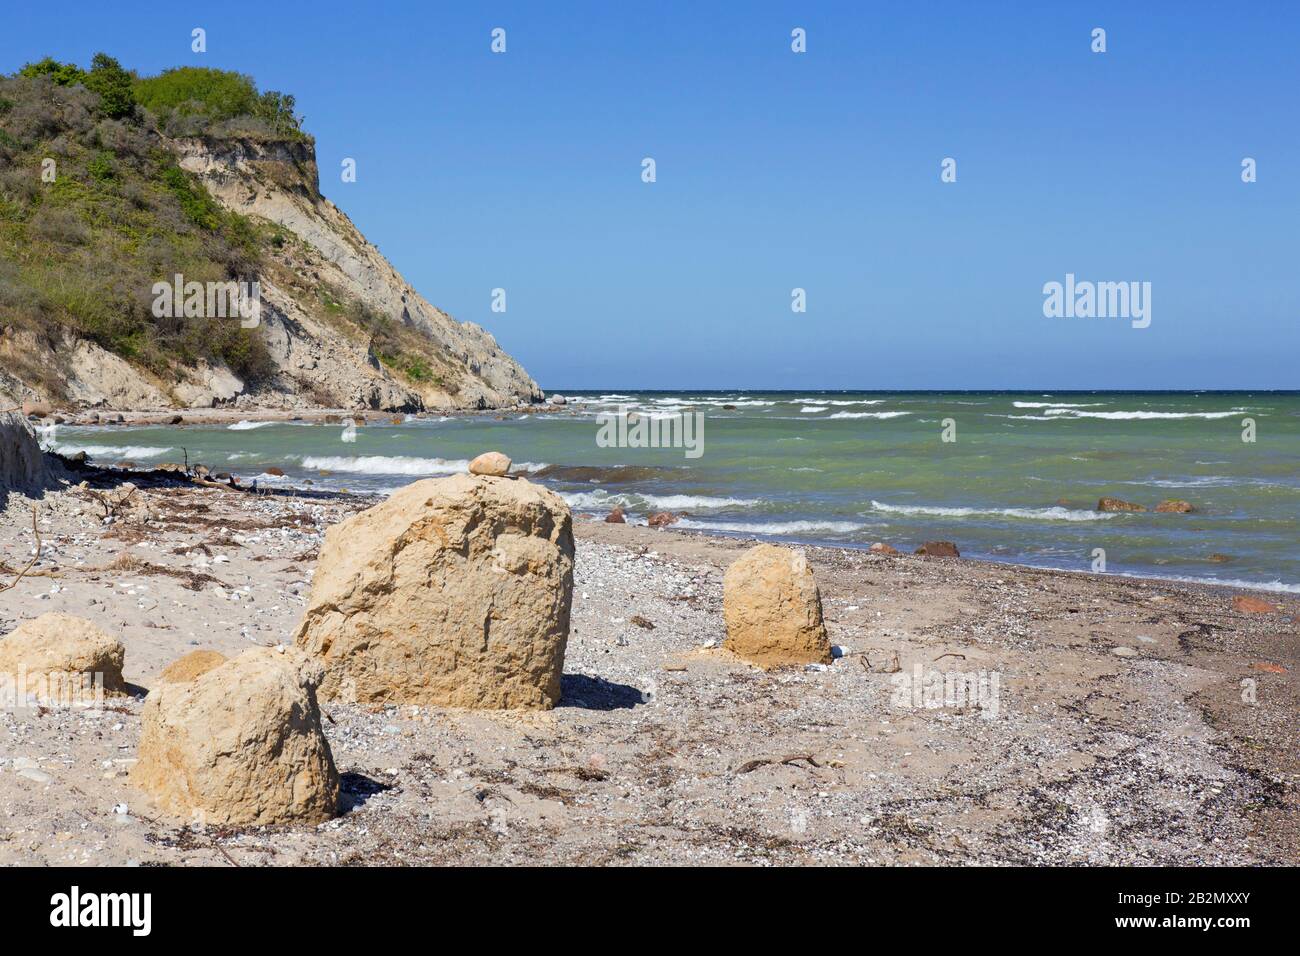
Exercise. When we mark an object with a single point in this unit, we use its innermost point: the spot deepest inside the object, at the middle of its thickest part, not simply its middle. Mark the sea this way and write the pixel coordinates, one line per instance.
(1011, 477)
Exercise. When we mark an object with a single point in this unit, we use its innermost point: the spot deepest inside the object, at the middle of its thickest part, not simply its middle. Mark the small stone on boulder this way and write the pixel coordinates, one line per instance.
(490, 463)
(773, 610)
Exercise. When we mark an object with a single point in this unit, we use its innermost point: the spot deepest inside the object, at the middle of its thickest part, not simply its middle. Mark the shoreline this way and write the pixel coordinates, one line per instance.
(1093, 756)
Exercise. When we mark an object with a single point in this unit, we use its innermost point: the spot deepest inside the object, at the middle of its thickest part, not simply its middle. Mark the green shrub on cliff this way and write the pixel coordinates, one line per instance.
(94, 210)
(193, 100)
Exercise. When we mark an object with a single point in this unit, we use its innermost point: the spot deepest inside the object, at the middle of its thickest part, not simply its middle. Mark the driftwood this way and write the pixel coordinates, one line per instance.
(35, 557)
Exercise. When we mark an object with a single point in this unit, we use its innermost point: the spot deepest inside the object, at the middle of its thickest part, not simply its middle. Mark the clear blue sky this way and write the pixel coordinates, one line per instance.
(778, 170)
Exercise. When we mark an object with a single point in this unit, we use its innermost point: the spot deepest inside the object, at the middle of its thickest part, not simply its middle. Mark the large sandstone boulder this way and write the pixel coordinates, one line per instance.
(23, 467)
(454, 592)
(240, 744)
(78, 652)
(773, 610)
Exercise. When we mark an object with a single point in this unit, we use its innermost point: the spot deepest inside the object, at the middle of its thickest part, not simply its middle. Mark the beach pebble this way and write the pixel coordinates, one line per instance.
(1124, 652)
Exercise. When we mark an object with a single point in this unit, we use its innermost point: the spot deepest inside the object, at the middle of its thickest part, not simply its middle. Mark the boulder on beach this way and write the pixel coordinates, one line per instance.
(275, 472)
(241, 744)
(453, 592)
(881, 548)
(23, 467)
(1117, 504)
(661, 519)
(773, 610)
(558, 400)
(1174, 506)
(939, 549)
(191, 667)
(616, 517)
(1253, 605)
(490, 463)
(61, 644)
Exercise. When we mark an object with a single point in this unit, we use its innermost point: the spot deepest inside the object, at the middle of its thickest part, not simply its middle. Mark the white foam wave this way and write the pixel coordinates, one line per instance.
(1055, 513)
(772, 527)
(867, 414)
(386, 465)
(247, 426)
(813, 409)
(1075, 413)
(640, 500)
(113, 451)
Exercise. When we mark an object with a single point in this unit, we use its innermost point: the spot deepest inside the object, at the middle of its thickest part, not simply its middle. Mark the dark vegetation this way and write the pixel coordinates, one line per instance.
(94, 209)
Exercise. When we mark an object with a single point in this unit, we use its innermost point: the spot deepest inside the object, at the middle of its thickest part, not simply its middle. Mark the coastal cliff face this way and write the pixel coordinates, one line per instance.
(327, 258)
(98, 208)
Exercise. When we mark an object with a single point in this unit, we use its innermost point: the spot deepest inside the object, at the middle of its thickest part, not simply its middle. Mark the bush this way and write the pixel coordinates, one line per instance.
(113, 84)
(64, 74)
(192, 100)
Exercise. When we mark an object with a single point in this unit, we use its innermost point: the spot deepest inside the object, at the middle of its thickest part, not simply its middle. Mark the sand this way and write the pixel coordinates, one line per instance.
(1117, 732)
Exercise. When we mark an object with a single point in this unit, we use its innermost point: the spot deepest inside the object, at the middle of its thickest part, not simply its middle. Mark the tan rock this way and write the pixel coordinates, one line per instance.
(61, 644)
(1174, 506)
(881, 548)
(241, 744)
(773, 609)
(490, 463)
(1253, 605)
(454, 592)
(616, 517)
(1117, 504)
(661, 519)
(939, 549)
(191, 667)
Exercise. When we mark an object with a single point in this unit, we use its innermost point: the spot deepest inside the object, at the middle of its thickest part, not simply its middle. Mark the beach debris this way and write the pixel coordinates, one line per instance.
(1124, 652)
(616, 517)
(1118, 504)
(939, 549)
(773, 610)
(639, 621)
(1253, 605)
(789, 760)
(490, 463)
(454, 592)
(191, 667)
(1268, 667)
(240, 744)
(1175, 506)
(881, 548)
(61, 644)
(661, 519)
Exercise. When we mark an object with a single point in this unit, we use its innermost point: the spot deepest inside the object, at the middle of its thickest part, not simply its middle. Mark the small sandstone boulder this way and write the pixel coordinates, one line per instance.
(454, 592)
(661, 519)
(773, 610)
(1253, 605)
(191, 667)
(490, 463)
(1174, 506)
(1117, 504)
(881, 548)
(275, 472)
(615, 517)
(240, 745)
(939, 549)
(61, 644)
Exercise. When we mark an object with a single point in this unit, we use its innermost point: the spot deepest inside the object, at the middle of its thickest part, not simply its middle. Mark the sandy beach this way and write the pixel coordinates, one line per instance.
(1124, 721)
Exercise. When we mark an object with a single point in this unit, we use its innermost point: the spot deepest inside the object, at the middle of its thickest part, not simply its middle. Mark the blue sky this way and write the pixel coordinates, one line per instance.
(778, 170)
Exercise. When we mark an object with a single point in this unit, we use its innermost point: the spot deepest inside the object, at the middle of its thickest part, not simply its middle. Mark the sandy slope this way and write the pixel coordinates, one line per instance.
(666, 749)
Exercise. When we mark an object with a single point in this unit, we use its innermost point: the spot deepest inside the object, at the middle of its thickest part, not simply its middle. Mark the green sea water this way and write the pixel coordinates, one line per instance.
(1019, 481)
